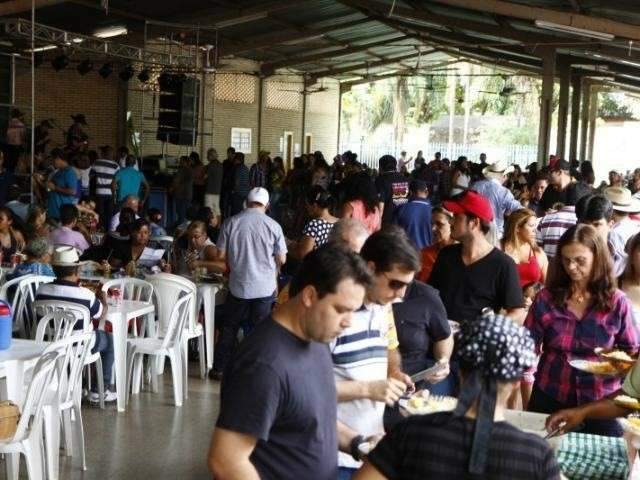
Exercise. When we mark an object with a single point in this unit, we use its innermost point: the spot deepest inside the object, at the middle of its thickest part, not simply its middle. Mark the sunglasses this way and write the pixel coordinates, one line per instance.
(396, 284)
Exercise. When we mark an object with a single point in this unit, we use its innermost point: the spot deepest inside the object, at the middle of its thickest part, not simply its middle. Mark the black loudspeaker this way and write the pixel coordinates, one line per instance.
(179, 108)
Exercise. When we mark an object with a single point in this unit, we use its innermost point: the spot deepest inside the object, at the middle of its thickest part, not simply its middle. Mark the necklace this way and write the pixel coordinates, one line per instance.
(578, 297)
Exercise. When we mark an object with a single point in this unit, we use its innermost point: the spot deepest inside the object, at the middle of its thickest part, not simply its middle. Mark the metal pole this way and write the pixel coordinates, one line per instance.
(339, 117)
(260, 100)
(33, 94)
(193, 114)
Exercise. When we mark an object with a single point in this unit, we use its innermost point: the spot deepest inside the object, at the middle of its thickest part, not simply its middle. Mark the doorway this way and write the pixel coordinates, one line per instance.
(288, 149)
(308, 142)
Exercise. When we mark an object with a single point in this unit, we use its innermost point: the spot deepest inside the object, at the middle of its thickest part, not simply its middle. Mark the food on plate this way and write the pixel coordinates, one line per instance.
(634, 422)
(627, 402)
(601, 368)
(618, 355)
(419, 404)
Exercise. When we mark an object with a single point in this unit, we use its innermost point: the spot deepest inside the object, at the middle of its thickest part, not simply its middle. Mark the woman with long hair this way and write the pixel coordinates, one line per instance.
(629, 281)
(519, 242)
(11, 240)
(316, 231)
(361, 201)
(36, 225)
(579, 310)
(441, 222)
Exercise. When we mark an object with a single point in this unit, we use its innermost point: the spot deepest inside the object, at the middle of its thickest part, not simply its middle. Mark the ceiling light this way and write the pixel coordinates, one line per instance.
(126, 73)
(42, 49)
(77, 40)
(60, 62)
(106, 70)
(85, 67)
(144, 75)
(557, 27)
(109, 32)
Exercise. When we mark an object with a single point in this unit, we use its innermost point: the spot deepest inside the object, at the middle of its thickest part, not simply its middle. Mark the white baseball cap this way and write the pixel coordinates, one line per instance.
(258, 195)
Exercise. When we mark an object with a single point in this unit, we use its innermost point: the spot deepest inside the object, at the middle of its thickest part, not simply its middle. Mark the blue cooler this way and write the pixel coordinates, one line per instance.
(6, 325)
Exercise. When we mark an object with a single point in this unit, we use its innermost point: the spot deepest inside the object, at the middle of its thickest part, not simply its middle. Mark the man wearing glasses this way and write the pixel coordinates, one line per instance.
(366, 361)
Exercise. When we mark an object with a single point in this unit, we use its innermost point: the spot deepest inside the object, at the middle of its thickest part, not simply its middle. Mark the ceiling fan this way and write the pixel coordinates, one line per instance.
(507, 89)
(308, 91)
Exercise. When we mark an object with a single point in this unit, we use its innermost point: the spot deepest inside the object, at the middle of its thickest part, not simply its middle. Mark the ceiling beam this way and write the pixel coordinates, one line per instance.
(268, 68)
(260, 42)
(211, 18)
(575, 5)
(527, 12)
(13, 7)
(329, 72)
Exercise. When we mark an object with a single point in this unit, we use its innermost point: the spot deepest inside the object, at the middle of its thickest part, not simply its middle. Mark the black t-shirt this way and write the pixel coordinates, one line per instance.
(420, 319)
(569, 196)
(438, 447)
(281, 390)
(393, 188)
(465, 290)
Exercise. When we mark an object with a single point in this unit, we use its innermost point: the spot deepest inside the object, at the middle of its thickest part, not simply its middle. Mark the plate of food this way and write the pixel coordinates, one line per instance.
(617, 357)
(423, 403)
(627, 402)
(631, 424)
(606, 369)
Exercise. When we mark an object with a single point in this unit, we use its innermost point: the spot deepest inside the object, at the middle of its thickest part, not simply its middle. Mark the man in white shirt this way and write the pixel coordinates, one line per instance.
(366, 361)
(623, 204)
(131, 202)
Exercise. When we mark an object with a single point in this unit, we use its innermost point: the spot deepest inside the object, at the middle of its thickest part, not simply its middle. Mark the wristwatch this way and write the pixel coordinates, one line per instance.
(353, 447)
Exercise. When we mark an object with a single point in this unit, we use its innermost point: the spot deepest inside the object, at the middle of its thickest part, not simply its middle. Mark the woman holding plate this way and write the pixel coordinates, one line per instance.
(580, 310)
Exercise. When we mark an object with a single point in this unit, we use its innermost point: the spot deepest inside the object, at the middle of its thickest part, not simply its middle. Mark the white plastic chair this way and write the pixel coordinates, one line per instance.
(166, 242)
(169, 346)
(28, 437)
(28, 286)
(132, 289)
(168, 288)
(40, 308)
(65, 397)
(11, 287)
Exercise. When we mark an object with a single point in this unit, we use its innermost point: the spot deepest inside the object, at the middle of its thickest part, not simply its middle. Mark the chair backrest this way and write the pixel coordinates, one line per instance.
(28, 287)
(166, 242)
(10, 293)
(58, 327)
(43, 374)
(168, 289)
(55, 326)
(179, 317)
(75, 349)
(131, 288)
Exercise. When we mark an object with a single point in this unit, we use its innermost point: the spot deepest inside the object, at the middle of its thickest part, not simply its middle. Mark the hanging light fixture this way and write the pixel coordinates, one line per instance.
(60, 62)
(85, 67)
(126, 73)
(105, 70)
(144, 75)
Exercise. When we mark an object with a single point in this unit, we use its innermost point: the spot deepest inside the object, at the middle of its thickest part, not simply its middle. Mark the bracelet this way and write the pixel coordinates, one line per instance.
(353, 447)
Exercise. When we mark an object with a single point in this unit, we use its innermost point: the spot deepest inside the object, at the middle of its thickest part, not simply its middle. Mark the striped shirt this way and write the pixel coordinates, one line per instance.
(104, 171)
(552, 227)
(360, 353)
(65, 291)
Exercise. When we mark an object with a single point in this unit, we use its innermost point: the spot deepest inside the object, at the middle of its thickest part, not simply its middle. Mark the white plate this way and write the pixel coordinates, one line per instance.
(448, 404)
(584, 365)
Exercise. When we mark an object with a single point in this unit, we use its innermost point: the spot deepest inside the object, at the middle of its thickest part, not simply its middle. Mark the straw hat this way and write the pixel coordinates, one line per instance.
(497, 170)
(66, 257)
(622, 199)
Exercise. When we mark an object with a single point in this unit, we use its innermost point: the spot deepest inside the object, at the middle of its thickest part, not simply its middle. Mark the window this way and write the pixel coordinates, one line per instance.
(241, 139)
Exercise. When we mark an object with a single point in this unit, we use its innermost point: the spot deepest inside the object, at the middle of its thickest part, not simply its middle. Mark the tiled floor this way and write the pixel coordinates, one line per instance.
(152, 440)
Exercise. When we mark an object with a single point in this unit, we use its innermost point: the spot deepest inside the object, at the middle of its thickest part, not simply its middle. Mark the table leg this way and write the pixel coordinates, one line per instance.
(15, 392)
(209, 323)
(120, 360)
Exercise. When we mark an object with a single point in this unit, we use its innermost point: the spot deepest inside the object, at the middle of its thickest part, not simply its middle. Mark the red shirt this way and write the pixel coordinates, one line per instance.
(560, 337)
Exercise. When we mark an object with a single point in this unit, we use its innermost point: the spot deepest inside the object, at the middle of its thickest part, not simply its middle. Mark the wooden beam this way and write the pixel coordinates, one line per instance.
(329, 72)
(239, 15)
(527, 12)
(302, 59)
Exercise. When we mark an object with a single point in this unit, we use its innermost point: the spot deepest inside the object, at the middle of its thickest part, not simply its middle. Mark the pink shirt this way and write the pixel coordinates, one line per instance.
(66, 236)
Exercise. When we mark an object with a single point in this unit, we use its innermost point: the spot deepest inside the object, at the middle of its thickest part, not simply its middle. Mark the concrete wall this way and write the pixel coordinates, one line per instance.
(230, 99)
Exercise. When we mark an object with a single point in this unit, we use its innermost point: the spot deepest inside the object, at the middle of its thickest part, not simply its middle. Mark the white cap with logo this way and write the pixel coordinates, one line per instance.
(258, 195)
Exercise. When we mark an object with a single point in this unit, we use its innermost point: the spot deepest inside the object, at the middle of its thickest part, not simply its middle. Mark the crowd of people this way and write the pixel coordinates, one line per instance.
(343, 282)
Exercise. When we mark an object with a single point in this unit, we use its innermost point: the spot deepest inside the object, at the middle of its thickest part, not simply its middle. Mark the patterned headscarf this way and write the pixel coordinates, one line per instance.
(492, 348)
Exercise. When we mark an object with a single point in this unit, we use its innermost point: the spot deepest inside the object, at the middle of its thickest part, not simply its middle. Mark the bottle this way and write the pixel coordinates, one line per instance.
(6, 325)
